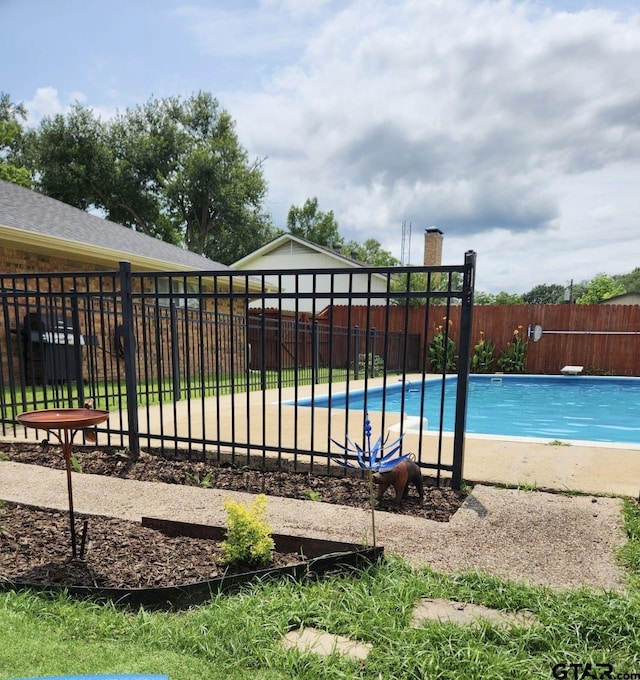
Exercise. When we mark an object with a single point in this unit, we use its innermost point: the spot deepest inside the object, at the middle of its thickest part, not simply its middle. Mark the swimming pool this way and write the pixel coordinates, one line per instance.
(598, 409)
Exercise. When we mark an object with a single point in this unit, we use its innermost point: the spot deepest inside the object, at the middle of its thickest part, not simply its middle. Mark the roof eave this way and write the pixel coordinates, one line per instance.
(101, 257)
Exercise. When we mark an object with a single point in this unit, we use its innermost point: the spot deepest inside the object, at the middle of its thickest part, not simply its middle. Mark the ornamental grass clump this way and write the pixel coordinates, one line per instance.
(248, 537)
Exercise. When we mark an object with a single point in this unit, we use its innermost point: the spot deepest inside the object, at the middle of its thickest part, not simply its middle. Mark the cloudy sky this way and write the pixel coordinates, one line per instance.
(513, 126)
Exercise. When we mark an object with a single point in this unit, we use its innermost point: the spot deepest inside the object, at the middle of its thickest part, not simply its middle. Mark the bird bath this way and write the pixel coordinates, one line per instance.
(63, 423)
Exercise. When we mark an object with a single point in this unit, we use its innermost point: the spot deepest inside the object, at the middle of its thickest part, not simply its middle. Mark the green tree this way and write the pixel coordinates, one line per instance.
(71, 159)
(601, 287)
(483, 298)
(630, 282)
(370, 252)
(171, 168)
(504, 298)
(312, 224)
(422, 282)
(544, 294)
(12, 118)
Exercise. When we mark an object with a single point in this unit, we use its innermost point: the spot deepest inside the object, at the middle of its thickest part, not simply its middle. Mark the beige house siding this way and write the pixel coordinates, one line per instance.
(292, 254)
(624, 299)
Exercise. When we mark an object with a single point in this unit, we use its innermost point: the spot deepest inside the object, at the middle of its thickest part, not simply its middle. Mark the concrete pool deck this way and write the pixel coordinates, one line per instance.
(593, 468)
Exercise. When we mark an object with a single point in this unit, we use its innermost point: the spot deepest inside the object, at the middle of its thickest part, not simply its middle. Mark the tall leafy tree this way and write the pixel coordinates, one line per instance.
(481, 297)
(544, 294)
(504, 298)
(501, 298)
(71, 159)
(216, 191)
(171, 168)
(312, 224)
(601, 287)
(12, 118)
(370, 252)
(630, 282)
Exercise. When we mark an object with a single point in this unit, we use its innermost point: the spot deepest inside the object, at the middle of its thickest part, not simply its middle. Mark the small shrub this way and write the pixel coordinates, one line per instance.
(482, 359)
(514, 358)
(371, 364)
(204, 482)
(248, 538)
(595, 370)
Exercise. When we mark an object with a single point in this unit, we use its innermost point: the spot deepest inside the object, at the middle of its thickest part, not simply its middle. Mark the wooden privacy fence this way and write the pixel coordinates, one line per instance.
(279, 341)
(601, 338)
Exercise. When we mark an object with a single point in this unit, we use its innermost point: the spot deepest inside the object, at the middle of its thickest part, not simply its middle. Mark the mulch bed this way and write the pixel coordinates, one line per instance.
(35, 542)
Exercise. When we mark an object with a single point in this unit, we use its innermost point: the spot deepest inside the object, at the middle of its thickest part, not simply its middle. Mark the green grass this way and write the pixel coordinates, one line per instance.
(630, 553)
(111, 395)
(239, 635)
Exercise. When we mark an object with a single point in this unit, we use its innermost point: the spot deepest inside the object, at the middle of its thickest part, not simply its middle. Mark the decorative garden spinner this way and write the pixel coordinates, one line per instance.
(376, 458)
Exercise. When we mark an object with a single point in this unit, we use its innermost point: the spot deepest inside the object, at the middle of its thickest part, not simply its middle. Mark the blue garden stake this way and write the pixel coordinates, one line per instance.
(373, 459)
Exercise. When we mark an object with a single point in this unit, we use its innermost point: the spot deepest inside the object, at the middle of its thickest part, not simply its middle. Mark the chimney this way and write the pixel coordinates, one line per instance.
(432, 247)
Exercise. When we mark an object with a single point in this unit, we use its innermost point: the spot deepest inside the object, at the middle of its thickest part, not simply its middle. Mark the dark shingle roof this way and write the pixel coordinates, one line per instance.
(31, 211)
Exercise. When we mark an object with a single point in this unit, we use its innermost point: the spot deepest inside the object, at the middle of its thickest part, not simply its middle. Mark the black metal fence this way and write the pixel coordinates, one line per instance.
(197, 363)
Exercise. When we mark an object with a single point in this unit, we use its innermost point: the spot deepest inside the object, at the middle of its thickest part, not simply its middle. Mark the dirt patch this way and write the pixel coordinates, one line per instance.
(35, 547)
(439, 504)
(35, 543)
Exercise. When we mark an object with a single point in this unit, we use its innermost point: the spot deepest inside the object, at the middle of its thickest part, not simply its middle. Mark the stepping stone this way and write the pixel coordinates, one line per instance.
(324, 644)
(465, 613)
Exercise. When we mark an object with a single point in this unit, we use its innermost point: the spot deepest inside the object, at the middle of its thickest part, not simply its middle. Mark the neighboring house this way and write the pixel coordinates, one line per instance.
(292, 253)
(623, 299)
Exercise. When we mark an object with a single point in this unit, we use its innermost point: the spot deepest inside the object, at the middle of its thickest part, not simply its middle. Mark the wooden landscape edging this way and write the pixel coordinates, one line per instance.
(322, 557)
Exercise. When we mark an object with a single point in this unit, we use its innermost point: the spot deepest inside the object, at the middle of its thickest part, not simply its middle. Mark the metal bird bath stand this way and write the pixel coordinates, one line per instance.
(63, 423)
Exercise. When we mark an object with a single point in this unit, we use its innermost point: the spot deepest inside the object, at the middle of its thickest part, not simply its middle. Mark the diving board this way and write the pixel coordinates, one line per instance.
(571, 370)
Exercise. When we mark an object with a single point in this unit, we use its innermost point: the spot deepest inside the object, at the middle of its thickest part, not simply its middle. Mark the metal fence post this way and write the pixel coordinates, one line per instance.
(77, 346)
(464, 359)
(316, 352)
(175, 351)
(356, 352)
(371, 367)
(129, 357)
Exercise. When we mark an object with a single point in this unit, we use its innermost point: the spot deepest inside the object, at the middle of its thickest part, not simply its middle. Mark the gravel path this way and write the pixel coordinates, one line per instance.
(540, 538)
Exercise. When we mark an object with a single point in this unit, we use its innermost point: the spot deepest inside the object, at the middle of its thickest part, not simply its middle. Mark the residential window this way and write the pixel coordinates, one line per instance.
(177, 287)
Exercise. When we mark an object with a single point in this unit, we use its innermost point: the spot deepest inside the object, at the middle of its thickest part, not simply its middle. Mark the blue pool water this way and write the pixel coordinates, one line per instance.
(551, 407)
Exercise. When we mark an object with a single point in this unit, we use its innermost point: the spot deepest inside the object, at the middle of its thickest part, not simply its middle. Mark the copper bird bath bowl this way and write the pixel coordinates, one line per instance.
(63, 423)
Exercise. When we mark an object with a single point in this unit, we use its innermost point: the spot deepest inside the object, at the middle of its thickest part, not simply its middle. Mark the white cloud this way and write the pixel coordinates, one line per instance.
(45, 103)
(513, 126)
(480, 118)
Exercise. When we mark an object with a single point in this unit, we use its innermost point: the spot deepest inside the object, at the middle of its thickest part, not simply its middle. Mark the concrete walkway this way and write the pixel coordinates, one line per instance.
(540, 538)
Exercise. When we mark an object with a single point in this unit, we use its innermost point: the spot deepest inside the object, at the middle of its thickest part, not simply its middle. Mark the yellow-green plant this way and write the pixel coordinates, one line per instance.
(514, 358)
(248, 536)
(482, 359)
(442, 351)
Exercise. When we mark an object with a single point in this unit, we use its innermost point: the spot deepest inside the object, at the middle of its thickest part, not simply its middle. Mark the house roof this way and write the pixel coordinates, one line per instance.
(43, 224)
(633, 296)
(341, 260)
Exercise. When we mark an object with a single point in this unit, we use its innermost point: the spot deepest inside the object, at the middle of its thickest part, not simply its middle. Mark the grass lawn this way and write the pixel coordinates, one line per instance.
(239, 636)
(112, 395)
